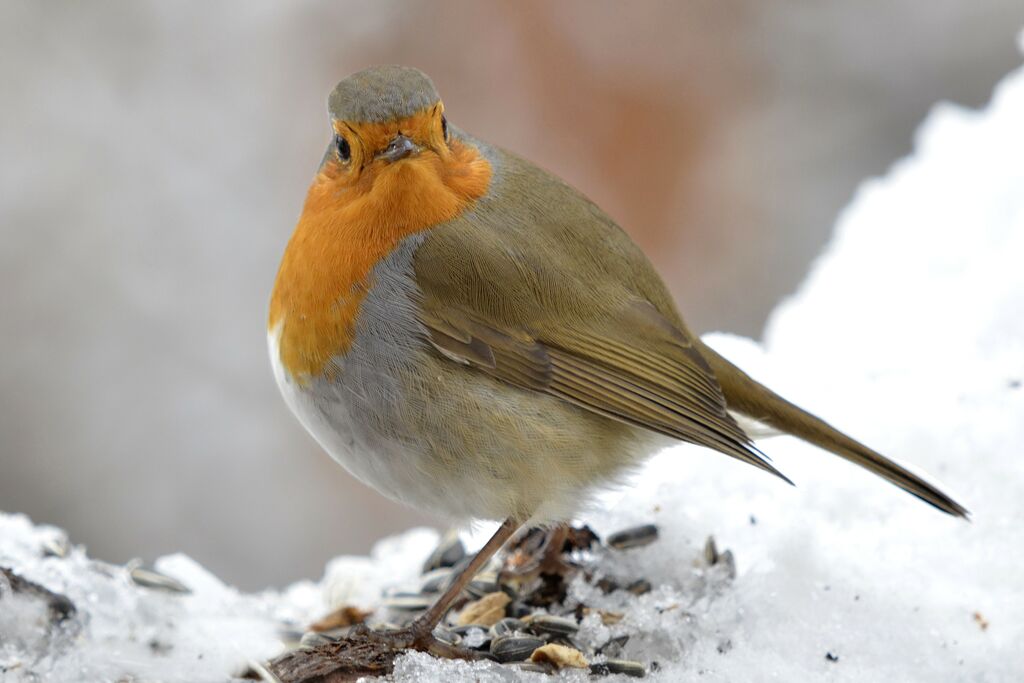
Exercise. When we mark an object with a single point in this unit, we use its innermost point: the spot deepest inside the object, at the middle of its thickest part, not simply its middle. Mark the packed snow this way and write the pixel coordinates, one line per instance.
(908, 334)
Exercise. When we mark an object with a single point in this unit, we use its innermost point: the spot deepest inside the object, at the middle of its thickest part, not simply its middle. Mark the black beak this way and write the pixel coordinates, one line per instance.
(399, 148)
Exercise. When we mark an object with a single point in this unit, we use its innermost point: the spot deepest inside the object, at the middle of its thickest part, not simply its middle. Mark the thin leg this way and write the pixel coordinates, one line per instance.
(372, 653)
(425, 623)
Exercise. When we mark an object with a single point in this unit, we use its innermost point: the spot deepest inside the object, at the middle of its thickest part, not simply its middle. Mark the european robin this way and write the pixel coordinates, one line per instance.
(469, 335)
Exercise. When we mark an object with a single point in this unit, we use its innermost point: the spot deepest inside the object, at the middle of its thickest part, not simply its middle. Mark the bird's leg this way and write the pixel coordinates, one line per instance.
(419, 634)
(372, 653)
(424, 624)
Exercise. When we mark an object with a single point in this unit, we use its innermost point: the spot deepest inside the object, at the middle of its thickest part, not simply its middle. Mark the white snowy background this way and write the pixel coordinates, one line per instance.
(908, 334)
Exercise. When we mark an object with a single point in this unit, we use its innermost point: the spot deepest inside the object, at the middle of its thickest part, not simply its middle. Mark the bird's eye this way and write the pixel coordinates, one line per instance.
(344, 151)
(444, 127)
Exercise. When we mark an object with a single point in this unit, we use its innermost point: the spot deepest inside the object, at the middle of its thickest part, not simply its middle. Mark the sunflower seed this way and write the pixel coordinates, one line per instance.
(436, 580)
(151, 578)
(514, 648)
(634, 537)
(447, 635)
(56, 546)
(549, 623)
(518, 610)
(449, 552)
(613, 648)
(408, 602)
(482, 584)
(618, 666)
(639, 587)
(710, 551)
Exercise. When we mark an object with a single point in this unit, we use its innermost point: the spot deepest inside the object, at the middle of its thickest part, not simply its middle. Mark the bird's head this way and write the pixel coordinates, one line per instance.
(393, 149)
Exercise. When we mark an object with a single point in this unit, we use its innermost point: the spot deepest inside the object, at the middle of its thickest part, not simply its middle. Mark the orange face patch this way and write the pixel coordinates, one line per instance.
(355, 214)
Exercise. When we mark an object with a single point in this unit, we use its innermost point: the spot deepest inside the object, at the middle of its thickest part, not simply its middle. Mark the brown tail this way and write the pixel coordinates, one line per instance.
(754, 400)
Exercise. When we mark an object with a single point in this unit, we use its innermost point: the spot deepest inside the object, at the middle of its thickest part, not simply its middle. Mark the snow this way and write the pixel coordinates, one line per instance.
(909, 334)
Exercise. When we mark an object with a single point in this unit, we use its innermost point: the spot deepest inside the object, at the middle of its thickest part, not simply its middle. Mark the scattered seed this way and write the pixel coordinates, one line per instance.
(484, 583)
(981, 621)
(710, 551)
(518, 610)
(486, 611)
(831, 657)
(151, 578)
(608, 618)
(449, 552)
(727, 560)
(639, 587)
(514, 648)
(57, 546)
(634, 537)
(560, 655)
(346, 615)
(548, 623)
(447, 635)
(613, 648)
(408, 602)
(506, 626)
(618, 666)
(435, 580)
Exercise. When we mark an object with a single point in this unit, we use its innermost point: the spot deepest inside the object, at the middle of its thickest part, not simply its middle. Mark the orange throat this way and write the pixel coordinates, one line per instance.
(351, 221)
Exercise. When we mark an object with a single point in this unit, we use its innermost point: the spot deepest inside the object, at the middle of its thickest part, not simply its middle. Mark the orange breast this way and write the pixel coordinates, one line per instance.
(348, 224)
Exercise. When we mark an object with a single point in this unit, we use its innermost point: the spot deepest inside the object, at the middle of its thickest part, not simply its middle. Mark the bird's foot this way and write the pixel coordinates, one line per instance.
(543, 551)
(362, 652)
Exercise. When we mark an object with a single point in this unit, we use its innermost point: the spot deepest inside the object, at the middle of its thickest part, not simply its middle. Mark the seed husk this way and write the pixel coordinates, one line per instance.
(447, 635)
(560, 655)
(639, 587)
(514, 648)
(486, 611)
(613, 648)
(634, 537)
(346, 615)
(618, 666)
(506, 626)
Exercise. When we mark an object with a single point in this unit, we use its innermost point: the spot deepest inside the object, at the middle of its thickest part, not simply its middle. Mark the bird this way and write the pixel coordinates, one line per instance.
(468, 334)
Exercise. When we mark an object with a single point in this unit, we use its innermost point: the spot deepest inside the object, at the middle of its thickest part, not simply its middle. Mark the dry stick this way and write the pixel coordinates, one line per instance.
(351, 658)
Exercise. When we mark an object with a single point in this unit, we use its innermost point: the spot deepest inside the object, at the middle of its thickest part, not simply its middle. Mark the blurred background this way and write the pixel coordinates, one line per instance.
(154, 157)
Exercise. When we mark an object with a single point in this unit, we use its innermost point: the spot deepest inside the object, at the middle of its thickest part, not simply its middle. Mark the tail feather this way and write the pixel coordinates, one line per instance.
(746, 396)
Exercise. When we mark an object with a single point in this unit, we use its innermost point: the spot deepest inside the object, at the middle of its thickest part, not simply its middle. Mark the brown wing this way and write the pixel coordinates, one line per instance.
(539, 288)
(672, 394)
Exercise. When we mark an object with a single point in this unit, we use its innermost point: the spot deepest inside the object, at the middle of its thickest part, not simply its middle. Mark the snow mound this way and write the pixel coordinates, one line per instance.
(909, 334)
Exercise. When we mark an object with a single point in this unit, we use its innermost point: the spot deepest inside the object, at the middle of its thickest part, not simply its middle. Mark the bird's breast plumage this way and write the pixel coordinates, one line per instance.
(346, 228)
